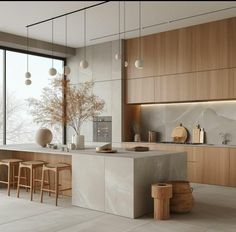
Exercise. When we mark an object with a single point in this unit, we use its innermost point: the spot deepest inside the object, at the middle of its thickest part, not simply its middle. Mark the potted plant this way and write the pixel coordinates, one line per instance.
(64, 104)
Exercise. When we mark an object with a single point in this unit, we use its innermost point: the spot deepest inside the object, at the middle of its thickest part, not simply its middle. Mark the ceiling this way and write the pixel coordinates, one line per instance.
(102, 20)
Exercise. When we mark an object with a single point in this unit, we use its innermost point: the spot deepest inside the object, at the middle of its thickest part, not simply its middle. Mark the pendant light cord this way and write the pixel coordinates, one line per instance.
(66, 35)
(27, 43)
(124, 19)
(119, 28)
(52, 43)
(84, 34)
(140, 50)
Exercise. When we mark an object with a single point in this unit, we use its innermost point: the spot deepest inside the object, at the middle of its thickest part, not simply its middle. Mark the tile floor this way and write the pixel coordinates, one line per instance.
(215, 210)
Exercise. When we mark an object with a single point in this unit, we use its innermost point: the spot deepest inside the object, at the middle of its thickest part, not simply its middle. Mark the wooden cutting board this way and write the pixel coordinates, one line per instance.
(138, 148)
(179, 134)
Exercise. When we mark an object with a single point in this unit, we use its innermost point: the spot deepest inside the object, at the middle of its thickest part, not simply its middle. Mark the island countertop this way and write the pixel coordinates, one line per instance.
(34, 148)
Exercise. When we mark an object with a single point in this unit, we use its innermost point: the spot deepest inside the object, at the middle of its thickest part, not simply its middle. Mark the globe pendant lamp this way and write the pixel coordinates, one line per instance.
(27, 74)
(139, 62)
(66, 68)
(52, 71)
(84, 63)
(118, 54)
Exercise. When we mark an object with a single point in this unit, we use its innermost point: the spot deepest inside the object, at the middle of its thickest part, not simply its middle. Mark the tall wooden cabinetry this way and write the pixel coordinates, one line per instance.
(197, 63)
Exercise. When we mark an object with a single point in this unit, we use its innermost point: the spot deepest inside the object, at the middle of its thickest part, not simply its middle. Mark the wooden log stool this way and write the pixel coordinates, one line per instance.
(31, 166)
(11, 165)
(161, 192)
(56, 168)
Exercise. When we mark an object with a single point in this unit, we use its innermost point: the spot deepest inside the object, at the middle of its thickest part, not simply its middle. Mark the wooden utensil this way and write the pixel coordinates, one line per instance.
(138, 148)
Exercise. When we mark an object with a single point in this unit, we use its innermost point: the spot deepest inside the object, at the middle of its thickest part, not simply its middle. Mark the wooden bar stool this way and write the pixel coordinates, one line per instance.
(56, 168)
(11, 164)
(32, 166)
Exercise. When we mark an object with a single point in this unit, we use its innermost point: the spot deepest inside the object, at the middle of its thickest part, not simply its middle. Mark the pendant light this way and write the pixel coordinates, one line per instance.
(52, 71)
(66, 68)
(84, 63)
(126, 62)
(27, 74)
(139, 62)
(118, 54)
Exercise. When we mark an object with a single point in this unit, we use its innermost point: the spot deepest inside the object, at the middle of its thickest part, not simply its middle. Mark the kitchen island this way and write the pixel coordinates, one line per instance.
(117, 183)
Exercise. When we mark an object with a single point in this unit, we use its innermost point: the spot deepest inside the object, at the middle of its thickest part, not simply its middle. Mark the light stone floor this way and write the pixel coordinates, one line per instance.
(215, 210)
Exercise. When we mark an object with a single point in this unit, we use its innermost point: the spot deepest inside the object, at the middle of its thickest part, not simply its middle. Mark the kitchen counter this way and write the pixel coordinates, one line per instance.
(117, 183)
(182, 144)
(87, 151)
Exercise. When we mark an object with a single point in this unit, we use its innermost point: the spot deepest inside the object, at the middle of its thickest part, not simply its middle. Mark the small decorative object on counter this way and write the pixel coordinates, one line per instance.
(43, 137)
(152, 136)
(107, 148)
(202, 135)
(161, 192)
(196, 134)
(78, 140)
(182, 200)
(71, 146)
(138, 148)
(137, 138)
(179, 134)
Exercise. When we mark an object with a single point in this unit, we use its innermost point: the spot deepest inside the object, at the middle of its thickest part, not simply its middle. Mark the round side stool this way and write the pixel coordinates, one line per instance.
(161, 192)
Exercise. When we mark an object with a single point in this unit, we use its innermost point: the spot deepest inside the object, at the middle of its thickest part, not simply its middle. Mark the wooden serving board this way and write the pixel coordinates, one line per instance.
(179, 134)
(139, 148)
(107, 151)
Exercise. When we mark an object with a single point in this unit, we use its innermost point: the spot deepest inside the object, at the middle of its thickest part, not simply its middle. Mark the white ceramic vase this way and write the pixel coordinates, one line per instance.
(78, 140)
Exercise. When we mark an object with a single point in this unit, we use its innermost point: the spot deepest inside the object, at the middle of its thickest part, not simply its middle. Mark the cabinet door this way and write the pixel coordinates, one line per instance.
(140, 90)
(213, 85)
(175, 88)
(211, 45)
(232, 167)
(147, 54)
(195, 164)
(216, 166)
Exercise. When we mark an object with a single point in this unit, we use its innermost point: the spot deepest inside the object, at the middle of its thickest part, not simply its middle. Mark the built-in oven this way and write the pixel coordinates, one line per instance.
(102, 129)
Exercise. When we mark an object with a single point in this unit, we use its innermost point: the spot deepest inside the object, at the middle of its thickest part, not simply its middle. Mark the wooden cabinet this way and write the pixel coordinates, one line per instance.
(175, 88)
(147, 53)
(216, 166)
(205, 164)
(196, 63)
(211, 44)
(232, 167)
(140, 90)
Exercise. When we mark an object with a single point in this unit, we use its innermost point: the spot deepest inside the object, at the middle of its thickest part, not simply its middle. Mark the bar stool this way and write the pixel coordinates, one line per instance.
(56, 168)
(11, 164)
(32, 166)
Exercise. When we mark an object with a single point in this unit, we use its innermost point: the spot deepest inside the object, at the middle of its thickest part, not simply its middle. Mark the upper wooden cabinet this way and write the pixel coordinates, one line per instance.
(148, 52)
(140, 90)
(202, 47)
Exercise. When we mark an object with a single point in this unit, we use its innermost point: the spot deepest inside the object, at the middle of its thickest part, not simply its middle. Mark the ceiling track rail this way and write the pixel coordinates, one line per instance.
(167, 22)
(69, 13)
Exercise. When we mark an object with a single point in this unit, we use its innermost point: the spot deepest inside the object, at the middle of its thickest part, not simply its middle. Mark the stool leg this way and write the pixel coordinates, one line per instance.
(18, 184)
(49, 183)
(26, 178)
(13, 178)
(31, 183)
(34, 185)
(42, 186)
(56, 185)
(9, 179)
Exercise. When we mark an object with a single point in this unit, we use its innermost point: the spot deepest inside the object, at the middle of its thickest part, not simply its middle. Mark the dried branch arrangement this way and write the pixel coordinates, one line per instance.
(81, 104)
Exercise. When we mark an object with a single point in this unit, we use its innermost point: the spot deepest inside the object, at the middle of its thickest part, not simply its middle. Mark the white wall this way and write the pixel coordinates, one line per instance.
(106, 73)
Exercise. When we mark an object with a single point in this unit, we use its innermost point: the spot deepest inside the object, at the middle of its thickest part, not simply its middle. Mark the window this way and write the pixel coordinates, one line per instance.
(20, 127)
(1, 97)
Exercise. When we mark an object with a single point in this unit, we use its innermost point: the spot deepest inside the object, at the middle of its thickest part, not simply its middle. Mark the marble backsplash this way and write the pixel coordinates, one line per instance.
(214, 117)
